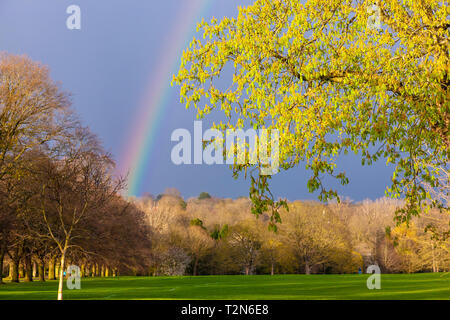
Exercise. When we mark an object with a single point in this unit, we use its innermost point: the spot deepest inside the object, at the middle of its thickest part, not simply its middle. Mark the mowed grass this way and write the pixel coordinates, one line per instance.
(300, 287)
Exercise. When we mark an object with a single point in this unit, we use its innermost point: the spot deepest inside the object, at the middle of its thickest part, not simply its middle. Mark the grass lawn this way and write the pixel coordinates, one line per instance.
(400, 286)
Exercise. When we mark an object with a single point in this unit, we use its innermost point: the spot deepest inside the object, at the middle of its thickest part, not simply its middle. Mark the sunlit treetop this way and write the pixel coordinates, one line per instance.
(332, 82)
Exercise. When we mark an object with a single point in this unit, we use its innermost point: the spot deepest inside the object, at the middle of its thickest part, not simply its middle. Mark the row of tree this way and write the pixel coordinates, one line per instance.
(59, 199)
(222, 236)
(169, 236)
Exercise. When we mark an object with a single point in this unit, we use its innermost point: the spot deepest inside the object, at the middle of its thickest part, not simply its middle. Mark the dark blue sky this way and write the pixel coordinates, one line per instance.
(106, 64)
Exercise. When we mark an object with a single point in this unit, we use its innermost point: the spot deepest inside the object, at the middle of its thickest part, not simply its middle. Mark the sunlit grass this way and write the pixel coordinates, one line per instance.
(402, 286)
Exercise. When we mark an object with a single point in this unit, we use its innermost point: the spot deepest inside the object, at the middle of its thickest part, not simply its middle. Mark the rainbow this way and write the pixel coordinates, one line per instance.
(144, 129)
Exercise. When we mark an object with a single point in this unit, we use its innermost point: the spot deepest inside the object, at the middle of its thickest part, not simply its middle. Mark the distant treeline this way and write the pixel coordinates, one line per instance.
(221, 236)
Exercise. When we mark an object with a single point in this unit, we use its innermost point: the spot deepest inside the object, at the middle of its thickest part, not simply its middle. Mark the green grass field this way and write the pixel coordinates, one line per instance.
(401, 286)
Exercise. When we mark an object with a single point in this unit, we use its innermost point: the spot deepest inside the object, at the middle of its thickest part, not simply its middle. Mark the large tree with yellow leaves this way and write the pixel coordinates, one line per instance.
(332, 81)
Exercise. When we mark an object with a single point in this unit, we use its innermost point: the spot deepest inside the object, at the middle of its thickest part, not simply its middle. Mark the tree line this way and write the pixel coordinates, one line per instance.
(221, 236)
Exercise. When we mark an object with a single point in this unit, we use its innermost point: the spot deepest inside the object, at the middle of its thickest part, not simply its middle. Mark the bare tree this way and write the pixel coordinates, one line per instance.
(74, 185)
(198, 242)
(245, 239)
(30, 105)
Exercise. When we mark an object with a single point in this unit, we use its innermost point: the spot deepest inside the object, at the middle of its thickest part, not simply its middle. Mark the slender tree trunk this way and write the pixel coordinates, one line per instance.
(2, 257)
(51, 268)
(35, 271)
(271, 270)
(247, 271)
(61, 276)
(57, 268)
(10, 270)
(102, 272)
(195, 266)
(434, 259)
(106, 271)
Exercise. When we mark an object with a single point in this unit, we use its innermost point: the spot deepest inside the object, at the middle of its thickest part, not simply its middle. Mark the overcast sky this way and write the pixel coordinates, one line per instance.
(106, 66)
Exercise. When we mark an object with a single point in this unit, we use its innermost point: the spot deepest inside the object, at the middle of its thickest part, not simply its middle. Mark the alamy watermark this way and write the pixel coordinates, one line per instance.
(73, 277)
(374, 20)
(73, 22)
(236, 147)
(374, 281)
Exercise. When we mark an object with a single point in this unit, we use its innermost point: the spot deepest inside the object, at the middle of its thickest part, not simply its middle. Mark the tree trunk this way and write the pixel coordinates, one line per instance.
(195, 266)
(2, 257)
(247, 271)
(14, 271)
(15, 256)
(35, 271)
(21, 271)
(28, 269)
(61, 276)
(57, 268)
(434, 259)
(102, 272)
(106, 271)
(307, 268)
(41, 270)
(271, 270)
(10, 270)
(51, 268)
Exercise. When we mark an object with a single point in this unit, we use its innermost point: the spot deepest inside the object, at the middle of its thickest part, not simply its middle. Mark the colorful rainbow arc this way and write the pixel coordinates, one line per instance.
(137, 153)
